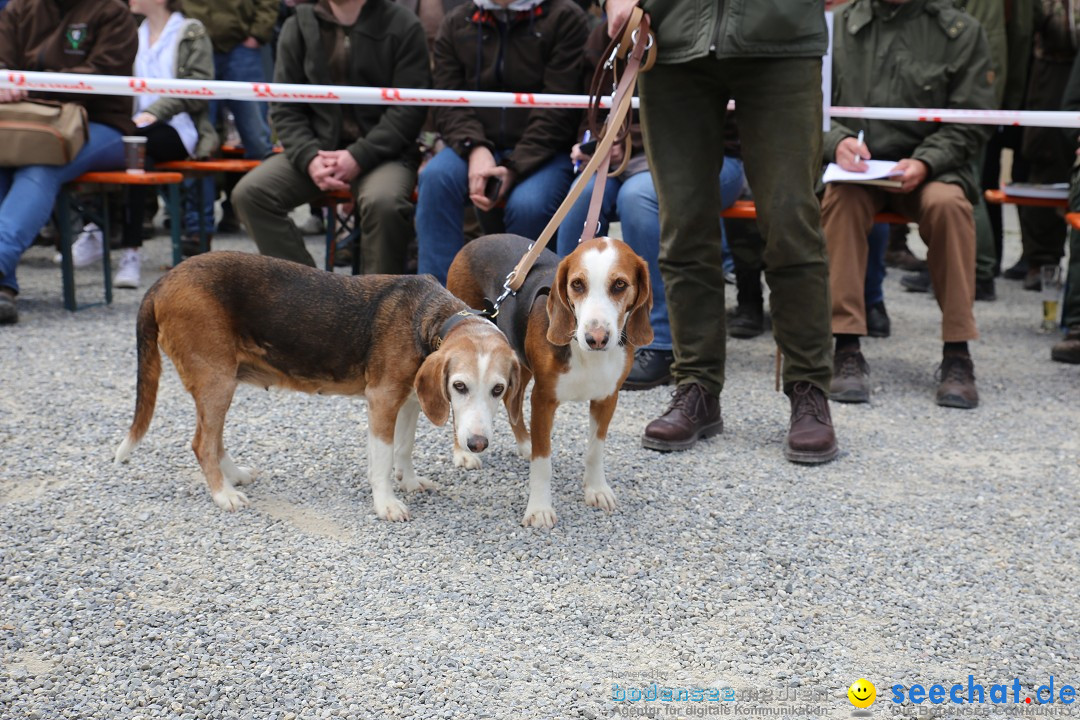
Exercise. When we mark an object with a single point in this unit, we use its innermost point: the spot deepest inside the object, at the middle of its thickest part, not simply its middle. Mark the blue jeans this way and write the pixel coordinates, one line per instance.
(878, 241)
(443, 192)
(634, 202)
(241, 64)
(27, 194)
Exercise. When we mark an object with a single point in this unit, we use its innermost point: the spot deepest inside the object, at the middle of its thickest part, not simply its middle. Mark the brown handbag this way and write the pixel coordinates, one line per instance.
(40, 132)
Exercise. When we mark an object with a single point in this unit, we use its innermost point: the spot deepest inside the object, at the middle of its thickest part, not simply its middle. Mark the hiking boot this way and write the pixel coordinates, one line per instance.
(1017, 271)
(127, 274)
(190, 245)
(917, 282)
(746, 321)
(957, 388)
(9, 314)
(651, 368)
(851, 377)
(904, 259)
(694, 413)
(1033, 280)
(811, 438)
(88, 247)
(1068, 350)
(984, 290)
(877, 321)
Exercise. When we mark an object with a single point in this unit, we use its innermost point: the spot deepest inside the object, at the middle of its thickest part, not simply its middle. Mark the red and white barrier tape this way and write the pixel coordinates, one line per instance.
(279, 92)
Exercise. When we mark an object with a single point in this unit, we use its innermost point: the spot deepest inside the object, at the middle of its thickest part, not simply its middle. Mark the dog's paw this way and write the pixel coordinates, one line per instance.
(229, 498)
(417, 482)
(524, 450)
(601, 497)
(243, 475)
(466, 459)
(539, 518)
(393, 510)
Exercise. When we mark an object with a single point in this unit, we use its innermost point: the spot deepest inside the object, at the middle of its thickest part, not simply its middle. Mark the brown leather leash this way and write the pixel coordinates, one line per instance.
(637, 45)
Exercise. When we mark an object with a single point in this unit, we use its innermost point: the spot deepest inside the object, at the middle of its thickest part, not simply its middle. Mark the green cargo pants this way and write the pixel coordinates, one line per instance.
(265, 196)
(779, 110)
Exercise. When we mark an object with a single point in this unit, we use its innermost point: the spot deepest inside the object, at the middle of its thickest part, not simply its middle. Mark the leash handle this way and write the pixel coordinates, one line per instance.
(640, 52)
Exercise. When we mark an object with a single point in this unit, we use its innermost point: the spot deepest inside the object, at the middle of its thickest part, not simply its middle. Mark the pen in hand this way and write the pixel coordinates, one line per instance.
(577, 163)
(858, 144)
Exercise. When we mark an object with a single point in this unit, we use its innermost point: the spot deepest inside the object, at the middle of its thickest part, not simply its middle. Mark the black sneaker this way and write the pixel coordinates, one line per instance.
(651, 368)
(746, 321)
(984, 290)
(877, 321)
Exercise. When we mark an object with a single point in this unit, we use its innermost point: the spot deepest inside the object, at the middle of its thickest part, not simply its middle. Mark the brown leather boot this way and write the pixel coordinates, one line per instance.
(694, 413)
(851, 377)
(957, 388)
(811, 438)
(1068, 350)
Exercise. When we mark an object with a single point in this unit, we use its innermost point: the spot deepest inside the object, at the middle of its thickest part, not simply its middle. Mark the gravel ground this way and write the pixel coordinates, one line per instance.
(941, 543)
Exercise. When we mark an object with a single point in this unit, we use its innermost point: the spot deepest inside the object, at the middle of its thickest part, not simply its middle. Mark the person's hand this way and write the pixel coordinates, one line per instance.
(915, 173)
(617, 152)
(143, 119)
(481, 167)
(344, 167)
(322, 174)
(850, 155)
(833, 4)
(10, 95)
(617, 13)
(576, 156)
(252, 43)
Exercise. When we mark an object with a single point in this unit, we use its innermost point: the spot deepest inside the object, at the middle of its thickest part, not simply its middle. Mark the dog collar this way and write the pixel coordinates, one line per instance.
(453, 321)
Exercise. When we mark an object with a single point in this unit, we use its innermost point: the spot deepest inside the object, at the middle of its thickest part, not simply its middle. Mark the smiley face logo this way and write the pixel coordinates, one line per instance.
(862, 693)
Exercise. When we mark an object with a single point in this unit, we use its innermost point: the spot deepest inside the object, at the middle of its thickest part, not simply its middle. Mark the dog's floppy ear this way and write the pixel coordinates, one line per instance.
(561, 320)
(430, 386)
(515, 394)
(639, 332)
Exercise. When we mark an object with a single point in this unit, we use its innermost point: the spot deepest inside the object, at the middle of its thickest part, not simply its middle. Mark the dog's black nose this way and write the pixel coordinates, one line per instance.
(597, 339)
(477, 443)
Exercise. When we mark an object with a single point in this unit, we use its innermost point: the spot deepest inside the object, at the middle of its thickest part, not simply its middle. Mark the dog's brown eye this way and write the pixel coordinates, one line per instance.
(577, 286)
(497, 390)
(460, 387)
(619, 285)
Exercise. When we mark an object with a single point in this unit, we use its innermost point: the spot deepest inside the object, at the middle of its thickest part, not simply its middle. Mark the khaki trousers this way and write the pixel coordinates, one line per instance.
(265, 196)
(946, 225)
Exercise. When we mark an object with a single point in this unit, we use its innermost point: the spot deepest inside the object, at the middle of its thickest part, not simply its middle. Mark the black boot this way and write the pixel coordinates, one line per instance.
(747, 320)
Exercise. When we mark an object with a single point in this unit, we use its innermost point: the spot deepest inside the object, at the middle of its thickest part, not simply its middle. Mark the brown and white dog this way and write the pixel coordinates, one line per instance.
(577, 343)
(403, 342)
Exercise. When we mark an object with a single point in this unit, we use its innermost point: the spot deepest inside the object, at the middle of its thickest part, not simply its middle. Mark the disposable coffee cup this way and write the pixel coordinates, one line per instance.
(135, 153)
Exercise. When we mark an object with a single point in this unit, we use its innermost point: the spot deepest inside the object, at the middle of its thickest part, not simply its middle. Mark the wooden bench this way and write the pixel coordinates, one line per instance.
(998, 197)
(200, 169)
(746, 210)
(120, 178)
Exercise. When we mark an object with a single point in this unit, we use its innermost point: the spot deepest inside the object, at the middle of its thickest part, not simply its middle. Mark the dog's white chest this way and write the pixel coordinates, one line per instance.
(592, 375)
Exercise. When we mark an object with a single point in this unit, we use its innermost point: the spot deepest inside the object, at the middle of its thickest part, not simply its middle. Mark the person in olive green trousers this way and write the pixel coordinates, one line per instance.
(370, 149)
(768, 59)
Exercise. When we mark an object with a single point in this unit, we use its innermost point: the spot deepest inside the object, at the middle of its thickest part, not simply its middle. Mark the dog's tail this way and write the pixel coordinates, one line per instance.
(149, 372)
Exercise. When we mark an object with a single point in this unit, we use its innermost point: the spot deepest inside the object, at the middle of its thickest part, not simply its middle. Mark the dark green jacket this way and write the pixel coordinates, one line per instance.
(231, 22)
(194, 61)
(927, 54)
(387, 48)
(690, 29)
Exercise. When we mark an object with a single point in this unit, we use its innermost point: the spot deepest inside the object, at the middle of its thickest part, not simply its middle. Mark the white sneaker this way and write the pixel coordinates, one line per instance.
(312, 226)
(87, 248)
(127, 273)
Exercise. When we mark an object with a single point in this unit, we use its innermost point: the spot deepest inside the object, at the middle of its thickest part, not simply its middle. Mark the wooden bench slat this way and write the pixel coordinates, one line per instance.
(998, 197)
(747, 210)
(229, 165)
(122, 177)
